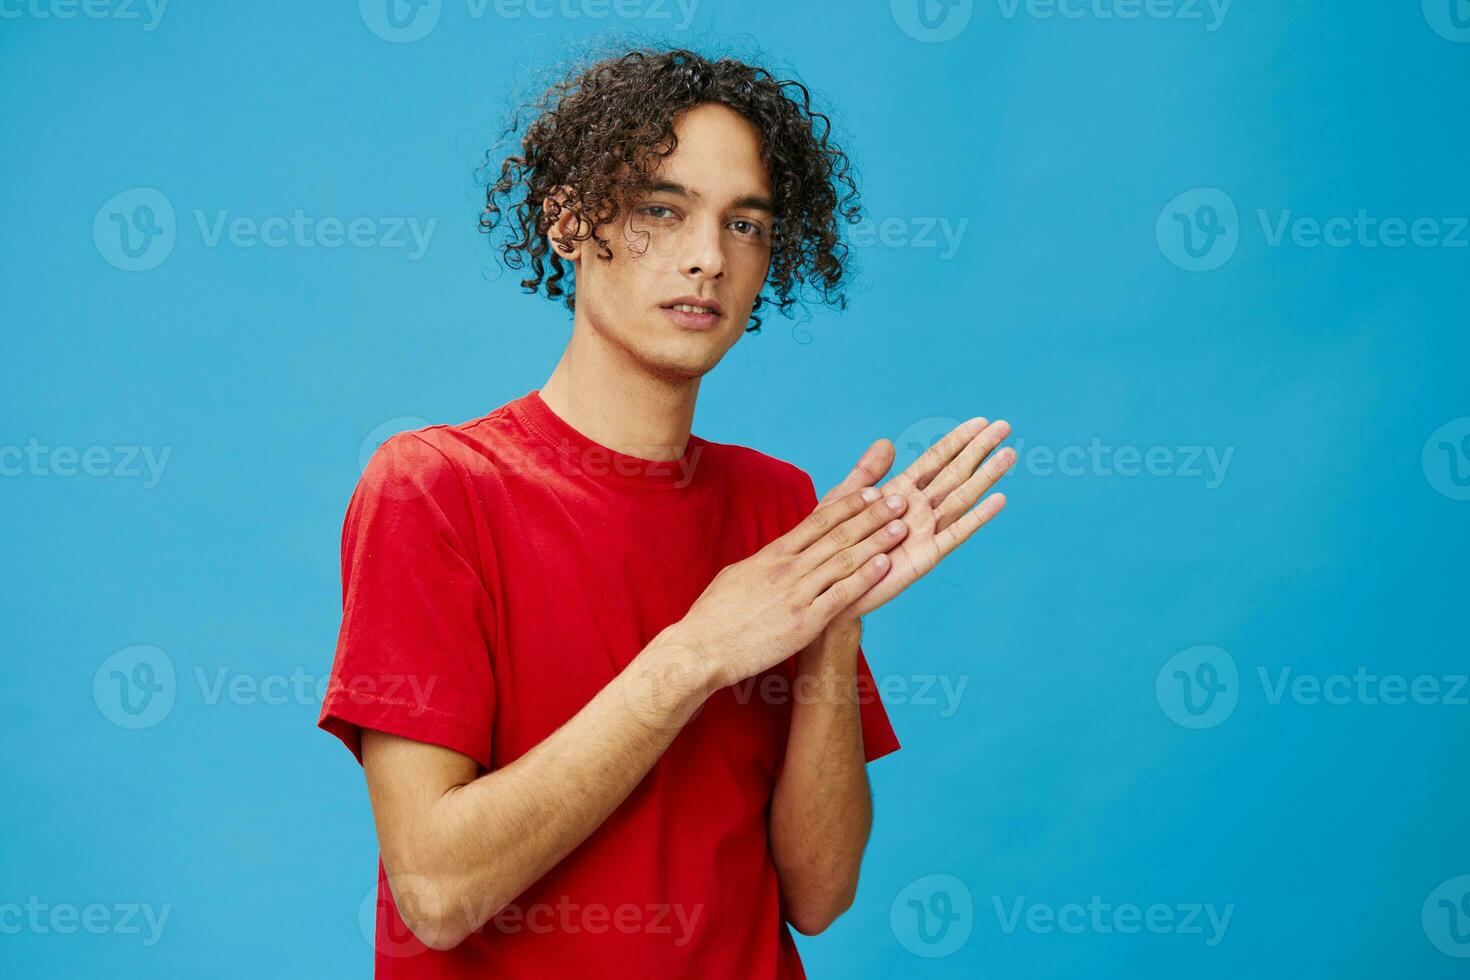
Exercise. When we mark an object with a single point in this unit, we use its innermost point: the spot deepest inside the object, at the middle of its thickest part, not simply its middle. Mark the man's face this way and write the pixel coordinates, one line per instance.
(703, 233)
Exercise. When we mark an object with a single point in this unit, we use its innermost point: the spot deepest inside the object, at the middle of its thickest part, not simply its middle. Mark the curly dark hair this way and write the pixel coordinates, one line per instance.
(602, 131)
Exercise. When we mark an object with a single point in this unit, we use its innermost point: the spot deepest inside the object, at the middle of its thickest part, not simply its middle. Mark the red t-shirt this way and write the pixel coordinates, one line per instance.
(496, 575)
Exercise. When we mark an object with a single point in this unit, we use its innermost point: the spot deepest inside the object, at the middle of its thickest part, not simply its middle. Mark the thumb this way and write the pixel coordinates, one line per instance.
(871, 467)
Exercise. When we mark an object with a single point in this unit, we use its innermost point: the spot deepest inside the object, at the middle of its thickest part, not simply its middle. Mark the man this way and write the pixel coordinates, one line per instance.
(604, 676)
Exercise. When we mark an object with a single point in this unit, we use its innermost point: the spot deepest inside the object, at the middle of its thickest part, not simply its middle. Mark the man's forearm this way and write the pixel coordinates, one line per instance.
(821, 811)
(479, 844)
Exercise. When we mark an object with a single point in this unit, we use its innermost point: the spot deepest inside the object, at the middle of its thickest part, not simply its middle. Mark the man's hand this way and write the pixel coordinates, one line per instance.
(821, 808)
(757, 612)
(941, 488)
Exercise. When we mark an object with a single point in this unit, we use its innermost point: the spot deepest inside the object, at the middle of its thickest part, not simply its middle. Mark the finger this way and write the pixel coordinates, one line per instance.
(820, 521)
(977, 486)
(849, 560)
(963, 466)
(933, 459)
(953, 536)
(852, 530)
(871, 467)
(842, 592)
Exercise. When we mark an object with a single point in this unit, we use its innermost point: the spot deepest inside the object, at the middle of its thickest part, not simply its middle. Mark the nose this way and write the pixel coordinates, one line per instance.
(703, 253)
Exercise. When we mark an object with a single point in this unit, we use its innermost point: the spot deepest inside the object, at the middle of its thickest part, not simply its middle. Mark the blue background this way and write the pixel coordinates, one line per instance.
(1334, 541)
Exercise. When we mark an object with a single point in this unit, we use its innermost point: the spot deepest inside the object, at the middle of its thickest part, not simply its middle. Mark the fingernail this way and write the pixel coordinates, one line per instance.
(870, 494)
(881, 561)
(895, 528)
(895, 502)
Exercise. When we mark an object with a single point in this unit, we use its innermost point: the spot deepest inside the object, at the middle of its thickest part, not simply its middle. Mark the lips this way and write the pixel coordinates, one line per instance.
(694, 312)
(695, 305)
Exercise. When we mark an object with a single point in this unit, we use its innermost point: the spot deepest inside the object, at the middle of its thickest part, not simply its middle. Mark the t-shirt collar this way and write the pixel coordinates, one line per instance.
(584, 455)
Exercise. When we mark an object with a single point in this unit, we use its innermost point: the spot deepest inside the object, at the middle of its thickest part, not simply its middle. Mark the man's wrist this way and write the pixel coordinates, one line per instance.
(671, 678)
(837, 644)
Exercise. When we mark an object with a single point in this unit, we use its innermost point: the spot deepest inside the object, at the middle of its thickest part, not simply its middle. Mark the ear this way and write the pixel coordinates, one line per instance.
(566, 223)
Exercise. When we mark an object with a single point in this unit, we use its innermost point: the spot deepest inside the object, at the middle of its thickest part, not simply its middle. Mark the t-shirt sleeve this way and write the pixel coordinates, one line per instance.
(879, 738)
(413, 650)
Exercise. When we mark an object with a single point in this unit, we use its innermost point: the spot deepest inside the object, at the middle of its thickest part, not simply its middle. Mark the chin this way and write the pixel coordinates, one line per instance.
(685, 364)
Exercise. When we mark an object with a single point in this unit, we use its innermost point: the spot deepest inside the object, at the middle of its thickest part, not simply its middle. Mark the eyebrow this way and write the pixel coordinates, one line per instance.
(758, 202)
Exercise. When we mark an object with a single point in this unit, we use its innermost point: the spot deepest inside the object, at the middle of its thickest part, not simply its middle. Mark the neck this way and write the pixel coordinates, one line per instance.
(602, 392)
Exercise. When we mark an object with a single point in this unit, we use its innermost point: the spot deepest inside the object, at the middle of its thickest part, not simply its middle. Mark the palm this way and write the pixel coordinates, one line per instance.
(941, 487)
